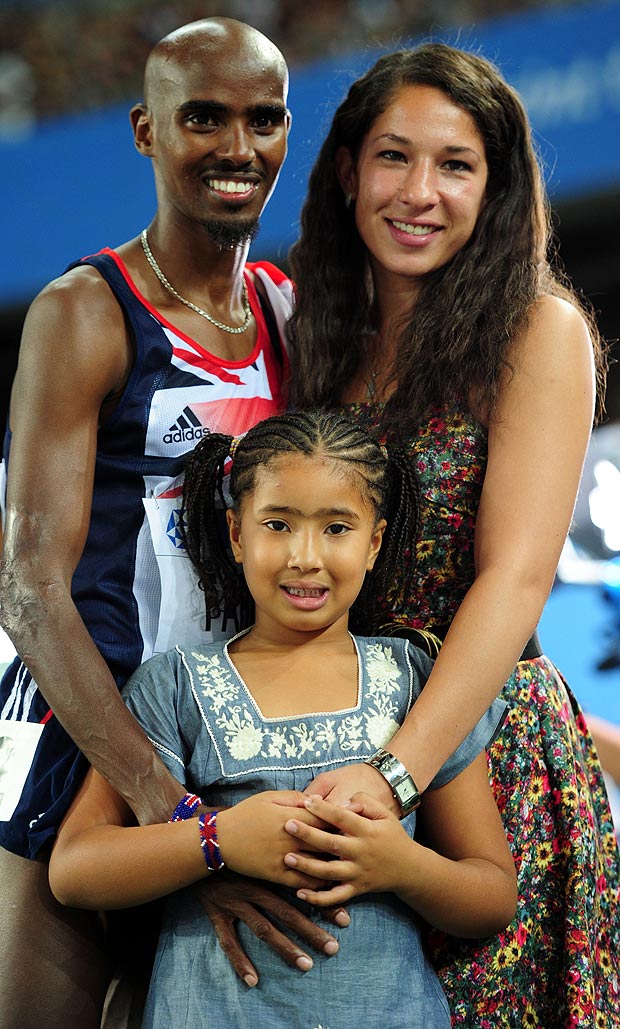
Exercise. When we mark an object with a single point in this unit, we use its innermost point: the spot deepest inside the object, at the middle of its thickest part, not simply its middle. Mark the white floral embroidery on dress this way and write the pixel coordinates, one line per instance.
(359, 732)
(216, 681)
(380, 729)
(383, 676)
(382, 669)
(243, 737)
(350, 732)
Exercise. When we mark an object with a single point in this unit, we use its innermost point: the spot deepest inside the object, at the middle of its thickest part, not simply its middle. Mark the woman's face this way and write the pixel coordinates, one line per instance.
(418, 184)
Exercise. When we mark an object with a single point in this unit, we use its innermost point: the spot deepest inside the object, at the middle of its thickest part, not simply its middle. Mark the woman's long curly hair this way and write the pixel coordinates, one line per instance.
(458, 339)
(388, 484)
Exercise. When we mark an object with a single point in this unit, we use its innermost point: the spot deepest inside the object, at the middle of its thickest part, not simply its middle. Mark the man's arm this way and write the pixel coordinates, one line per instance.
(75, 358)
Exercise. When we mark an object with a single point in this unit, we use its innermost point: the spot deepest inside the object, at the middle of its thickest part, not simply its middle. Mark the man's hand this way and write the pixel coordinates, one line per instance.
(227, 897)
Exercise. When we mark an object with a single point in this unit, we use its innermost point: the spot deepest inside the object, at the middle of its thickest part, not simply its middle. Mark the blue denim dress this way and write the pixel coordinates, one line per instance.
(209, 730)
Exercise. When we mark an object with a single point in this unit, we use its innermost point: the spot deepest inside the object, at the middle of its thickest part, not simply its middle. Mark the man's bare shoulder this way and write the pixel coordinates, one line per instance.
(80, 290)
(77, 317)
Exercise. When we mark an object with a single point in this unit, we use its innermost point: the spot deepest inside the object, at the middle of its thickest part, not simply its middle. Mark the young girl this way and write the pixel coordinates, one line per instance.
(268, 710)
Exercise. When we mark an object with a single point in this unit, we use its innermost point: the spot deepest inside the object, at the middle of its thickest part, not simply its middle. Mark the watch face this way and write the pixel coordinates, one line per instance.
(406, 790)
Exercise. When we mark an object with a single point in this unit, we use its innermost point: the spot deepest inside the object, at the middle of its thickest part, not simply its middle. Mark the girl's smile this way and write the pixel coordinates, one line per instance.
(304, 596)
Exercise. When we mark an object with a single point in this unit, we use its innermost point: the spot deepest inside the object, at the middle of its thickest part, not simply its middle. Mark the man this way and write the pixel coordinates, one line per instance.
(125, 361)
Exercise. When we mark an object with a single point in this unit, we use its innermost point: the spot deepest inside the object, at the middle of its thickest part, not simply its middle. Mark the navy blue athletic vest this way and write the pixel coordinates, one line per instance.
(134, 587)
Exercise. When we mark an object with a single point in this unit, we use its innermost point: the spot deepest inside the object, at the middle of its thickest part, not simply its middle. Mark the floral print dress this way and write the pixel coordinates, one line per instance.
(557, 964)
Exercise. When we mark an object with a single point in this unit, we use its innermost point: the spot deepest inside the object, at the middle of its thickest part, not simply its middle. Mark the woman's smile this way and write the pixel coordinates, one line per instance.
(418, 183)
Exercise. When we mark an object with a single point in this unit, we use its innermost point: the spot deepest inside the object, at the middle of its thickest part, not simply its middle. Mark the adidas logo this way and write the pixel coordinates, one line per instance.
(186, 429)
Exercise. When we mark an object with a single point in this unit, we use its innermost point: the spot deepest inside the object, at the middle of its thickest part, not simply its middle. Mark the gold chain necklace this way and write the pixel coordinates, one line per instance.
(205, 314)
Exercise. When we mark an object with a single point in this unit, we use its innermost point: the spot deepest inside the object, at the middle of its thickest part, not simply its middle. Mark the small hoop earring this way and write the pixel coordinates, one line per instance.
(348, 200)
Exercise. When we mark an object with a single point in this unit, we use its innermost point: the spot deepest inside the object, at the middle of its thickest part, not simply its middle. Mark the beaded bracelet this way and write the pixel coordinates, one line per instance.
(208, 841)
(185, 808)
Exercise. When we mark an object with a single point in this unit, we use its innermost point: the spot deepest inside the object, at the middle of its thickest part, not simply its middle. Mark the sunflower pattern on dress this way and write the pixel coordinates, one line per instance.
(557, 965)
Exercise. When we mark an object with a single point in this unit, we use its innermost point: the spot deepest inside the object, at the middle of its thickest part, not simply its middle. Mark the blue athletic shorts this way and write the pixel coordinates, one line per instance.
(47, 779)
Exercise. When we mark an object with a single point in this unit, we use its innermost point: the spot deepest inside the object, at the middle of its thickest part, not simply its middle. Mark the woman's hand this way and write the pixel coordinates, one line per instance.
(227, 897)
(339, 785)
(357, 856)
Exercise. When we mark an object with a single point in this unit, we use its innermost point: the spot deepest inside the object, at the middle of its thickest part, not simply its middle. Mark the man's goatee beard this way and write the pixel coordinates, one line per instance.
(228, 235)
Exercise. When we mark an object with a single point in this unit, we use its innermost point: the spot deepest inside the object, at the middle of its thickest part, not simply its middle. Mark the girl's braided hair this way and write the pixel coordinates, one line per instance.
(387, 483)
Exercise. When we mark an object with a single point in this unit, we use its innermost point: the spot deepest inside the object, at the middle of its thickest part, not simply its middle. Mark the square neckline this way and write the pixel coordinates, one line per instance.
(272, 719)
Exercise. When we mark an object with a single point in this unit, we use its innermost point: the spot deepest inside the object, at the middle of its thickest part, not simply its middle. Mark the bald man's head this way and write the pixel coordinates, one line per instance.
(215, 123)
(206, 41)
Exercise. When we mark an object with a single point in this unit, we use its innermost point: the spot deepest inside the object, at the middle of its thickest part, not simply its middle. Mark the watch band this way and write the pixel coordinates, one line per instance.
(401, 783)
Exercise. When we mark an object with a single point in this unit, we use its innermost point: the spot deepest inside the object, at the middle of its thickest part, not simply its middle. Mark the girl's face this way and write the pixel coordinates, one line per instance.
(418, 185)
(306, 536)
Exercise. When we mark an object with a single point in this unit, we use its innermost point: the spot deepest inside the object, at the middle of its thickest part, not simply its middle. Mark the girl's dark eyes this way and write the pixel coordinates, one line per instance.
(337, 529)
(276, 525)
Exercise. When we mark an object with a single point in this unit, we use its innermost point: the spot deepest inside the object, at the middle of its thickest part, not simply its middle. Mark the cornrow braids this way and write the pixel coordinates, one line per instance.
(389, 484)
(202, 526)
(306, 432)
(394, 570)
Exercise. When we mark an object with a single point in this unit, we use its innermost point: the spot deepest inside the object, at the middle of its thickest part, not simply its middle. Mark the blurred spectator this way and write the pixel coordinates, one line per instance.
(17, 88)
(80, 55)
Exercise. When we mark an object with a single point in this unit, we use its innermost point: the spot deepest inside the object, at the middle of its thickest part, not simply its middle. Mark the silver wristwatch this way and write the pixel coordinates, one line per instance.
(398, 779)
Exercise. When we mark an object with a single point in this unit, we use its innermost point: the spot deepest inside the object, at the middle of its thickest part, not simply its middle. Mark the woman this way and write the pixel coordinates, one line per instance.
(426, 305)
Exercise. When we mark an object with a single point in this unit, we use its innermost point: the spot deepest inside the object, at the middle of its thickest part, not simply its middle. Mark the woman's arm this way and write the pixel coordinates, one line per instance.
(463, 882)
(101, 860)
(537, 443)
